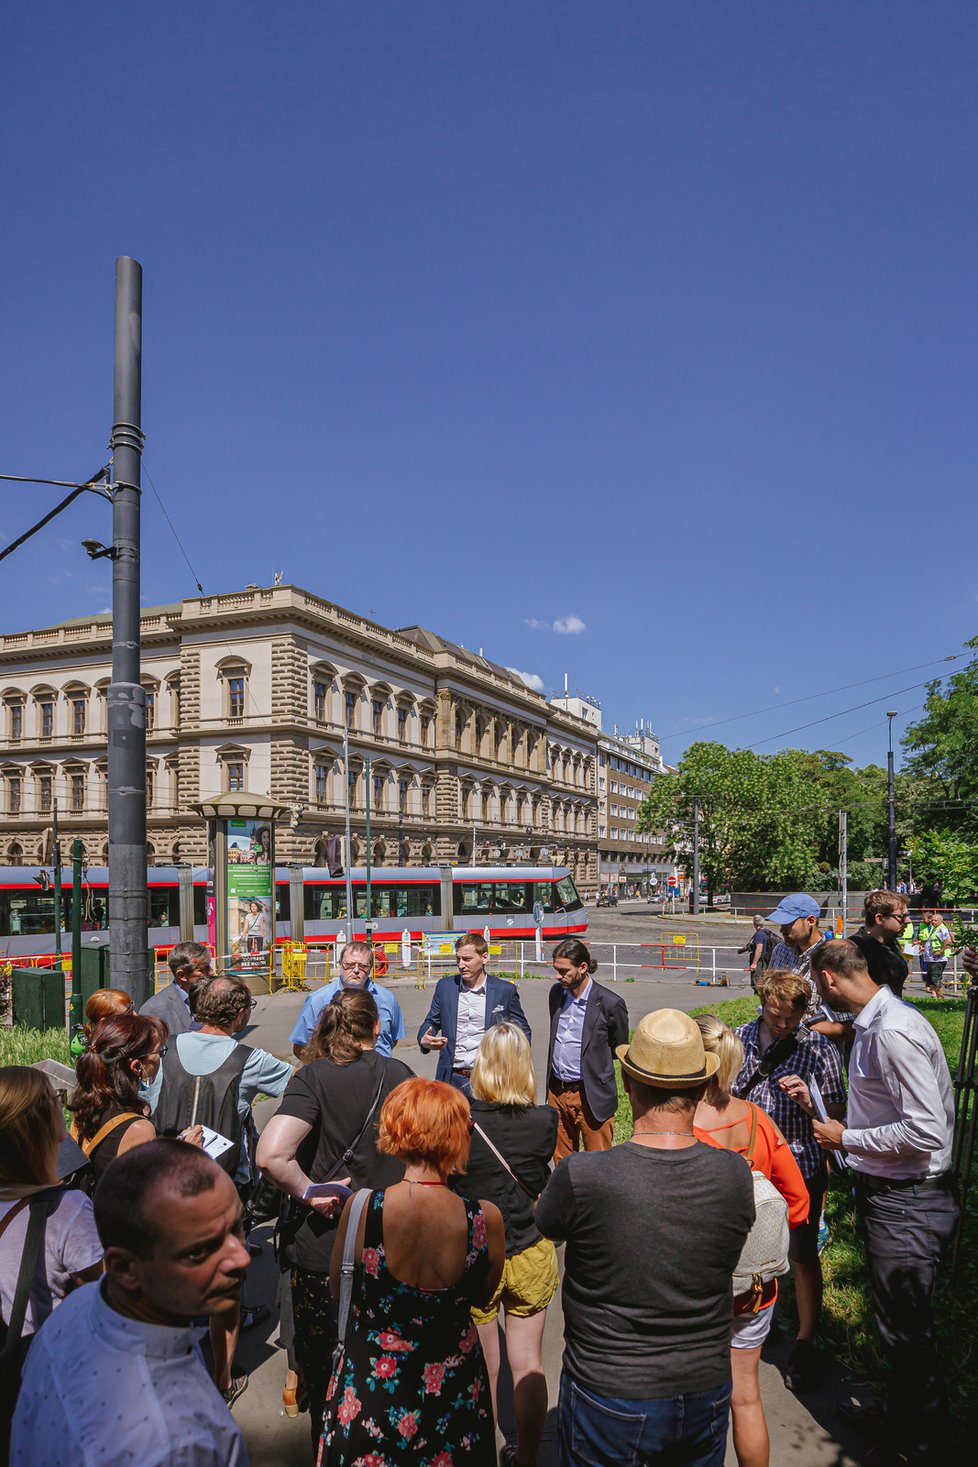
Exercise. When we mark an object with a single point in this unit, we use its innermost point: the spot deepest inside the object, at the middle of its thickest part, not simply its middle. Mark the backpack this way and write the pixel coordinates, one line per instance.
(764, 1256)
(204, 1100)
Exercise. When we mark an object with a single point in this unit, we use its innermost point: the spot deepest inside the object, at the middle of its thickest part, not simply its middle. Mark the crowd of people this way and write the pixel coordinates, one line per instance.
(414, 1216)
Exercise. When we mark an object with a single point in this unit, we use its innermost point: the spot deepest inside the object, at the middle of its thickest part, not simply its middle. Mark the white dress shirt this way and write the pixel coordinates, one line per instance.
(471, 1025)
(102, 1390)
(901, 1106)
(570, 1035)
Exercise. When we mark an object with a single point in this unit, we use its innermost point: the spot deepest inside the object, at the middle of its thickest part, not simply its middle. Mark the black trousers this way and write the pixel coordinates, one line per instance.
(906, 1231)
(315, 1328)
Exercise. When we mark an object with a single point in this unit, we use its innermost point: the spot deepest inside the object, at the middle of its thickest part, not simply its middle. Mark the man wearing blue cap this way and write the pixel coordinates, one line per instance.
(797, 915)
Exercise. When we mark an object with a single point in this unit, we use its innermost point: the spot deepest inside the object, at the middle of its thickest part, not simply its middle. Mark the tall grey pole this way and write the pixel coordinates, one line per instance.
(56, 858)
(891, 841)
(696, 854)
(126, 700)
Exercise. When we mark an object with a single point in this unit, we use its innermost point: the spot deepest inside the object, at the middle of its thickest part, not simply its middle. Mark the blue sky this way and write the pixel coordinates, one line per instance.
(634, 341)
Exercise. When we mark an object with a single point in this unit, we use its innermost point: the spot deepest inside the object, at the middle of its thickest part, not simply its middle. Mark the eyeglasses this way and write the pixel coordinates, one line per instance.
(355, 967)
(161, 1052)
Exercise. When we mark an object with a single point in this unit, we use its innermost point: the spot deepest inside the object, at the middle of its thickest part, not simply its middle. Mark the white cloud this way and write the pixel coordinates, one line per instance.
(569, 625)
(536, 624)
(532, 679)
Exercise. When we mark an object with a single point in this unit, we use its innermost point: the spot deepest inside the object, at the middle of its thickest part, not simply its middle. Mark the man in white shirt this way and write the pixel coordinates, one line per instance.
(898, 1136)
(463, 1008)
(115, 1376)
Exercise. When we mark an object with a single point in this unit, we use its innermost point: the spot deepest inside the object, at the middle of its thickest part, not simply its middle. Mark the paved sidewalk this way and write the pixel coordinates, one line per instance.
(803, 1433)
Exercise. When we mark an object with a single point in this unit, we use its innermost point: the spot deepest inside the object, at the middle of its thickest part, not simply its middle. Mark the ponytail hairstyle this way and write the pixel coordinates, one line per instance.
(106, 1081)
(575, 952)
(347, 1026)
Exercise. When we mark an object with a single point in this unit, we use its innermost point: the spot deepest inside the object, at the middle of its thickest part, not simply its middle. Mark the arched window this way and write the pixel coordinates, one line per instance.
(15, 854)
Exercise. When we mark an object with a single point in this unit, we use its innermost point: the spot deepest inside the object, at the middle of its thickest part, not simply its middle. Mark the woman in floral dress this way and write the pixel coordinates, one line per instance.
(411, 1385)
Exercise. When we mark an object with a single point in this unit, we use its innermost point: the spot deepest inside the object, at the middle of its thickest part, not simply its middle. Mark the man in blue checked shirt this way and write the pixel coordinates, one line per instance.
(356, 962)
(782, 1059)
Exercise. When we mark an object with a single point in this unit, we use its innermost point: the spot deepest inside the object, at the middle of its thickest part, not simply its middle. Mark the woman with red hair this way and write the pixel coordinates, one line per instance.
(411, 1382)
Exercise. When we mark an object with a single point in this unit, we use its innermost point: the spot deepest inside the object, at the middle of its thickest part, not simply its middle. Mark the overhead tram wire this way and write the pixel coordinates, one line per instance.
(883, 698)
(90, 486)
(173, 530)
(828, 693)
(197, 582)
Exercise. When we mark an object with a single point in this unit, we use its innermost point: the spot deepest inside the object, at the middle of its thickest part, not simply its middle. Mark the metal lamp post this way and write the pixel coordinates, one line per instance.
(891, 841)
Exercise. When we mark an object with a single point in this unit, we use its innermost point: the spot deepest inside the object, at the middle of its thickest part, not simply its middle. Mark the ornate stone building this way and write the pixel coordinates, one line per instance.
(254, 690)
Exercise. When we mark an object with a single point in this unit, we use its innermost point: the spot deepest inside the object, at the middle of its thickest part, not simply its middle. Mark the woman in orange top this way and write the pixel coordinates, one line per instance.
(724, 1121)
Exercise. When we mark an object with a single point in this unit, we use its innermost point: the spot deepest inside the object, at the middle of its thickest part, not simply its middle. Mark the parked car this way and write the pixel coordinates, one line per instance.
(607, 899)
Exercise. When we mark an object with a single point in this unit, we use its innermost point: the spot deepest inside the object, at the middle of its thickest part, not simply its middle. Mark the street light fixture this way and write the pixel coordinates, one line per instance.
(891, 842)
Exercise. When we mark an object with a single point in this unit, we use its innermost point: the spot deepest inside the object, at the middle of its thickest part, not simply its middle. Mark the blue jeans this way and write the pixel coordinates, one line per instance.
(609, 1431)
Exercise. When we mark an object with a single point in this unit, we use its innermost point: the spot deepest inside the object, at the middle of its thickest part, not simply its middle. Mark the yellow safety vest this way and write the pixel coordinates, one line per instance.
(925, 934)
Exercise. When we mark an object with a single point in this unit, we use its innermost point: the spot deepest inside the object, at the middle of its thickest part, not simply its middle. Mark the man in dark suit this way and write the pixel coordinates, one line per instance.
(188, 962)
(463, 1007)
(587, 1023)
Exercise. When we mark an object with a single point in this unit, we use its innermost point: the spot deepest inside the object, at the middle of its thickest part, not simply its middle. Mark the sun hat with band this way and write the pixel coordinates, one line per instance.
(667, 1051)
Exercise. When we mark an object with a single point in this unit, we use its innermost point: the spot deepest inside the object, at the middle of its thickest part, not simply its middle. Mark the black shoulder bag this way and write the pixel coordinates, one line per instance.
(14, 1346)
(768, 1063)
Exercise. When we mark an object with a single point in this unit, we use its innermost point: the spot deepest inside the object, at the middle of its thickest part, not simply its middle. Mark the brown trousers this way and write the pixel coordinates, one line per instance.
(576, 1124)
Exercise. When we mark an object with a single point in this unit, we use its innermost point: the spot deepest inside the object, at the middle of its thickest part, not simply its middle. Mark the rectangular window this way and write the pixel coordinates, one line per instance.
(378, 792)
(350, 709)
(236, 697)
(402, 795)
(319, 701)
(14, 794)
(426, 801)
(377, 711)
(16, 721)
(425, 731)
(47, 719)
(76, 793)
(235, 775)
(402, 724)
(150, 788)
(320, 784)
(150, 711)
(44, 788)
(78, 711)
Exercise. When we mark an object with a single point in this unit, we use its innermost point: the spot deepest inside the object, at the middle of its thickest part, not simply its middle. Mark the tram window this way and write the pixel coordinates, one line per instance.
(473, 899)
(200, 906)
(283, 904)
(27, 914)
(511, 896)
(544, 893)
(164, 906)
(567, 896)
(324, 903)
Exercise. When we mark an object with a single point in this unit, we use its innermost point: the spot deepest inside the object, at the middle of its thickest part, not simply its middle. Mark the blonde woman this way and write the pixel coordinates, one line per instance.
(509, 1161)
(724, 1121)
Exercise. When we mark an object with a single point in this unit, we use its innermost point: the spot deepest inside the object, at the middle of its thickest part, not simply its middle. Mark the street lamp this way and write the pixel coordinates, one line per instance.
(891, 843)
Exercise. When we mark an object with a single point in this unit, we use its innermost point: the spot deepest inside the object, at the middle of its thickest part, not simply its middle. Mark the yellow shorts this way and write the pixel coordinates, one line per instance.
(528, 1284)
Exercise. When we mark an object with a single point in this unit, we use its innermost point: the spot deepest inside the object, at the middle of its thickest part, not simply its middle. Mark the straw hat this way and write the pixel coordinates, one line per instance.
(667, 1051)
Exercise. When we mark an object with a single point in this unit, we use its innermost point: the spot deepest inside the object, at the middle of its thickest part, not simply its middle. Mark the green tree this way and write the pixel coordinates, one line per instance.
(943, 749)
(950, 857)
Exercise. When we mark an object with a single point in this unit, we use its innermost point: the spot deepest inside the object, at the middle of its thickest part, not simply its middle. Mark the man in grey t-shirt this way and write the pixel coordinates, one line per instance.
(654, 1230)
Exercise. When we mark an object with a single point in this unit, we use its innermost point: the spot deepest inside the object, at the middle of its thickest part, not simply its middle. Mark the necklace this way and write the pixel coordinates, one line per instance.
(412, 1183)
(687, 1134)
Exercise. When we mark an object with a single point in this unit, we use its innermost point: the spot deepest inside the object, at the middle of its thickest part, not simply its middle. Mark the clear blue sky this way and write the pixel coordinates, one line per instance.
(657, 318)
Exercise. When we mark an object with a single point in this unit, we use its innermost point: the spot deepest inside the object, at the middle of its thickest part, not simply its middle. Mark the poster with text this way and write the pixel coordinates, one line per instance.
(251, 893)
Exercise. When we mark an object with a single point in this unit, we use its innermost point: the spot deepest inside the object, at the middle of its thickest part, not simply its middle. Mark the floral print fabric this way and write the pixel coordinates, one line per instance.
(411, 1384)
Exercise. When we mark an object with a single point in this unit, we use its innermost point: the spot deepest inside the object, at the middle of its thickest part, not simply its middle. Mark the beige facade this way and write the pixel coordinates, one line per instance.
(630, 863)
(254, 690)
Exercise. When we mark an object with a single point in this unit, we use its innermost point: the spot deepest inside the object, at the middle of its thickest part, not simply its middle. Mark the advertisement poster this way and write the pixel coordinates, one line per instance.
(250, 876)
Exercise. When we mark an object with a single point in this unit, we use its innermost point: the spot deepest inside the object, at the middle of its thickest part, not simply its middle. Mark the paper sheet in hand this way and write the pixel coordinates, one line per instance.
(214, 1143)
(326, 1189)
(817, 1100)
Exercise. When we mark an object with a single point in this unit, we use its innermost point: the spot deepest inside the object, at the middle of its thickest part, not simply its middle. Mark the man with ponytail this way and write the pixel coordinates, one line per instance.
(587, 1023)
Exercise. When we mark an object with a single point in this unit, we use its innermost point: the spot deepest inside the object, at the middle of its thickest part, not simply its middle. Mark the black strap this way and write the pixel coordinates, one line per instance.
(768, 1063)
(348, 1154)
(504, 1163)
(41, 1208)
